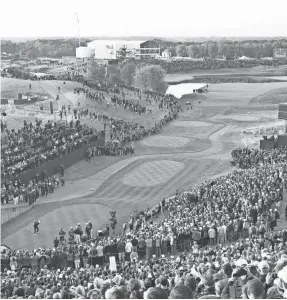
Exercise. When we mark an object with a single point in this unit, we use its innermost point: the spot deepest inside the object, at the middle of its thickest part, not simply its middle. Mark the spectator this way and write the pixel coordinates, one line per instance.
(155, 293)
(181, 292)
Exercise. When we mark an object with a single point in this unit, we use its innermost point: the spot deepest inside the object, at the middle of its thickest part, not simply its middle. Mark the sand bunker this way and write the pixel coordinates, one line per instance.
(243, 118)
(153, 173)
(190, 124)
(162, 141)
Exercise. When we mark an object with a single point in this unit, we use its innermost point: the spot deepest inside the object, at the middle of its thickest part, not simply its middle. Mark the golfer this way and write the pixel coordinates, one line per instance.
(36, 226)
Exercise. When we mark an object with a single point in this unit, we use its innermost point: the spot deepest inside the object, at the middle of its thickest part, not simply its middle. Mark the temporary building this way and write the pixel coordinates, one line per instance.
(182, 89)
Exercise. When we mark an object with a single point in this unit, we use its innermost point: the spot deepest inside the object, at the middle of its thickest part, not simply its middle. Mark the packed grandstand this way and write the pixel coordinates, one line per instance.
(225, 248)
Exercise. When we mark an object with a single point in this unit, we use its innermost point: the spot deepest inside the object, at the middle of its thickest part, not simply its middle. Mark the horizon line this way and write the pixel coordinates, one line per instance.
(129, 36)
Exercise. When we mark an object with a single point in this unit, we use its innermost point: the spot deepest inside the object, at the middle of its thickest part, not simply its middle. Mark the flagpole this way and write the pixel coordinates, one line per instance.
(78, 28)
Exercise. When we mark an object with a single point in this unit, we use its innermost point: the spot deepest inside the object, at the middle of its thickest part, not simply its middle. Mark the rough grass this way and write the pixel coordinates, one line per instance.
(272, 97)
(280, 70)
(10, 88)
(198, 136)
(194, 145)
(16, 122)
(83, 169)
(229, 95)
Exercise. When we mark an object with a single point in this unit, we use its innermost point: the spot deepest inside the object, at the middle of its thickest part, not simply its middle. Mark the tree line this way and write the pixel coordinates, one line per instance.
(142, 76)
(226, 49)
(43, 48)
(196, 49)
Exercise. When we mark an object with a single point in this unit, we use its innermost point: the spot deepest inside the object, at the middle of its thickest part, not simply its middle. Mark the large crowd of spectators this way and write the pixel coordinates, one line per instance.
(123, 134)
(172, 66)
(37, 143)
(34, 144)
(19, 73)
(235, 79)
(100, 91)
(246, 158)
(218, 240)
(18, 192)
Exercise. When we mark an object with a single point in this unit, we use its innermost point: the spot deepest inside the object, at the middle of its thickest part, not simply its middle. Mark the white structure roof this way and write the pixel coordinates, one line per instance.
(107, 49)
(115, 42)
(40, 74)
(182, 89)
(85, 52)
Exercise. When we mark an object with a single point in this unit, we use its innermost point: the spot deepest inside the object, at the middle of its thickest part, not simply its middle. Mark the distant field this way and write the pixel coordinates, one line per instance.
(259, 70)
(10, 88)
(278, 77)
(56, 69)
(272, 97)
(39, 69)
(236, 94)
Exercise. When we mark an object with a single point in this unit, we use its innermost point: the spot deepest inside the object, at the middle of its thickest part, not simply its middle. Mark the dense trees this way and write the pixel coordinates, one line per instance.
(181, 50)
(150, 78)
(42, 48)
(97, 72)
(144, 77)
(127, 73)
(225, 48)
(33, 53)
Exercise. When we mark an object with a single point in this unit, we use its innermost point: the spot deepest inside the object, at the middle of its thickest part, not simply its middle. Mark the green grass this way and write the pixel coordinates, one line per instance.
(83, 168)
(61, 217)
(227, 95)
(280, 70)
(193, 146)
(198, 136)
(17, 122)
(10, 88)
(272, 97)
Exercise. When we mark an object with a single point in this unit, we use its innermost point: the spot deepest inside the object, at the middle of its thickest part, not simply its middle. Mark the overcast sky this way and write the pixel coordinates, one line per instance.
(166, 18)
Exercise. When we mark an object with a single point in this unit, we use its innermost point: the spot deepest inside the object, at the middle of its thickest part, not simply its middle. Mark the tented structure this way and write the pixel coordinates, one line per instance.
(182, 89)
(108, 49)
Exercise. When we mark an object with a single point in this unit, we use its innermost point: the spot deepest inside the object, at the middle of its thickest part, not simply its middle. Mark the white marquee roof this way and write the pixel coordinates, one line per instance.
(182, 89)
(39, 74)
(115, 42)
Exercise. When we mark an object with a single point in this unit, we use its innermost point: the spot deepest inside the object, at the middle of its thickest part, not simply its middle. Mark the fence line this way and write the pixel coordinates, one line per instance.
(9, 214)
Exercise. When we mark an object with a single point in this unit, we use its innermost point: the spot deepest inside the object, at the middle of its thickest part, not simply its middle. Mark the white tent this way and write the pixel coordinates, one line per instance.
(182, 89)
(39, 74)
